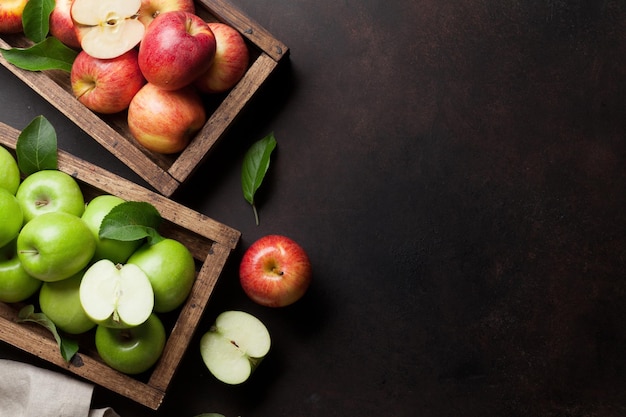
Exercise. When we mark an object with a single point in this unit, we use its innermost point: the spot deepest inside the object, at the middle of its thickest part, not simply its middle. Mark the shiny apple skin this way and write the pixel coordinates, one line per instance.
(106, 86)
(11, 16)
(230, 62)
(150, 9)
(275, 271)
(62, 25)
(176, 49)
(164, 121)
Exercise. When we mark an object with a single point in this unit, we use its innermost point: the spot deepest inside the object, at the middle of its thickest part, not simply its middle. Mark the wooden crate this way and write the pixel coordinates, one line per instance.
(164, 172)
(211, 244)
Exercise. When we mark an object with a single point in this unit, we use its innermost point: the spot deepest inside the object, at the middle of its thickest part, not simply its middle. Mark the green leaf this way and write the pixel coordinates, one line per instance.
(67, 347)
(255, 165)
(36, 146)
(48, 54)
(131, 220)
(36, 19)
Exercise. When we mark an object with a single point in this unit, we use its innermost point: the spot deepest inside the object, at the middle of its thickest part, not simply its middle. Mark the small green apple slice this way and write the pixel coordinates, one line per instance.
(234, 346)
(118, 296)
(107, 29)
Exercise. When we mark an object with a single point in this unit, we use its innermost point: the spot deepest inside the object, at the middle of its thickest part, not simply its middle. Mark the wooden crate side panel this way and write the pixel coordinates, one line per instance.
(190, 316)
(193, 229)
(95, 126)
(254, 32)
(29, 338)
(114, 184)
(222, 118)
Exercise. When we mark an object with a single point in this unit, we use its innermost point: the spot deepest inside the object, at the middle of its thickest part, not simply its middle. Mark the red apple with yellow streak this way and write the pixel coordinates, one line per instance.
(106, 85)
(11, 15)
(164, 121)
(230, 62)
(61, 24)
(150, 9)
(275, 271)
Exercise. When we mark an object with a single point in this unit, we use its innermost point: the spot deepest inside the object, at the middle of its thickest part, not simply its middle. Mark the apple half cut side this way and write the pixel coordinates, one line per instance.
(234, 346)
(107, 29)
(117, 296)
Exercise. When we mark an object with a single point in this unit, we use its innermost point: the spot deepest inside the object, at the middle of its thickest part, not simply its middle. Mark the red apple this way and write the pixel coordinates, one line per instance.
(11, 15)
(106, 85)
(150, 9)
(176, 48)
(230, 62)
(61, 24)
(164, 121)
(275, 271)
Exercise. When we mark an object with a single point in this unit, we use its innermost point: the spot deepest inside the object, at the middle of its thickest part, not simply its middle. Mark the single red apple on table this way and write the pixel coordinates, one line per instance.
(176, 49)
(150, 9)
(11, 15)
(62, 25)
(230, 62)
(275, 271)
(164, 121)
(106, 85)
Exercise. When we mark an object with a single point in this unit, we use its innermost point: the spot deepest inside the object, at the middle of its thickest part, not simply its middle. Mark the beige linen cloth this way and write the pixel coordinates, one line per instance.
(28, 391)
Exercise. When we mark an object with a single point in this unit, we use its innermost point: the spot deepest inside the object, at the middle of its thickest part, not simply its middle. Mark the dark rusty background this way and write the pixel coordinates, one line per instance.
(455, 170)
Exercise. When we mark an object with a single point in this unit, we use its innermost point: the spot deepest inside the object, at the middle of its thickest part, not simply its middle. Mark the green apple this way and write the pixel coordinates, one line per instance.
(48, 191)
(15, 283)
(171, 269)
(60, 302)
(115, 250)
(54, 246)
(234, 346)
(9, 171)
(11, 217)
(134, 350)
(116, 295)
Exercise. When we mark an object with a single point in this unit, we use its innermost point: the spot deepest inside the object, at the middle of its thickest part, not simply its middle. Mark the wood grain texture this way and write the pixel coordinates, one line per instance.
(211, 244)
(163, 172)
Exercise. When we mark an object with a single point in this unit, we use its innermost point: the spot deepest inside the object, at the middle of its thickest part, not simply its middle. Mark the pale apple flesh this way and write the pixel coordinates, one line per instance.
(107, 29)
(118, 296)
(234, 346)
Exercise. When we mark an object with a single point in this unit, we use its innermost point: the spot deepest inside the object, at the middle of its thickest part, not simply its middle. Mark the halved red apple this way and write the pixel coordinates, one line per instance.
(107, 29)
